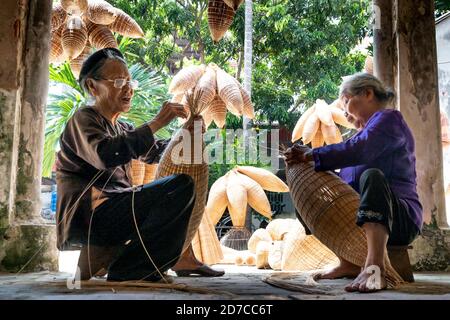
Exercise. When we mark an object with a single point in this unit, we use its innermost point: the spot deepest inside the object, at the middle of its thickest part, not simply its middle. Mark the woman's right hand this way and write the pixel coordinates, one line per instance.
(168, 112)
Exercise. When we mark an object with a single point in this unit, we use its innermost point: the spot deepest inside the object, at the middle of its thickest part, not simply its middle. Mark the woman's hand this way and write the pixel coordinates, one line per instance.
(298, 153)
(168, 112)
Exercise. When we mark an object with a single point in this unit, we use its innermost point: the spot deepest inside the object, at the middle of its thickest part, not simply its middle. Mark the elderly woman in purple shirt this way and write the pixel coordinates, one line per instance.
(379, 163)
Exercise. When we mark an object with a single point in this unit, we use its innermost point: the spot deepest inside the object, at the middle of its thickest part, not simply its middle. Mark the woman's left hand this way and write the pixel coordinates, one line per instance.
(298, 153)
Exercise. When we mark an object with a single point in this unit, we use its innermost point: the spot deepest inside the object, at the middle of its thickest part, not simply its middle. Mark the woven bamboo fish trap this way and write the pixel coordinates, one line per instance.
(247, 109)
(75, 7)
(237, 200)
(305, 253)
(220, 18)
(74, 38)
(256, 197)
(77, 63)
(328, 207)
(266, 179)
(126, 26)
(207, 86)
(101, 12)
(175, 160)
(56, 50)
(101, 36)
(150, 172)
(218, 111)
(186, 79)
(278, 228)
(233, 3)
(206, 244)
(258, 236)
(230, 92)
(59, 16)
(137, 172)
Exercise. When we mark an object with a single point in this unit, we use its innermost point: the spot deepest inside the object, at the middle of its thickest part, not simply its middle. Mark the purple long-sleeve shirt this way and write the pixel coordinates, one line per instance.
(385, 143)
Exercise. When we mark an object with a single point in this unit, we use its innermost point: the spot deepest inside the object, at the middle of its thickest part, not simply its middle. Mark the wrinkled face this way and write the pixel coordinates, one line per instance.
(357, 107)
(104, 90)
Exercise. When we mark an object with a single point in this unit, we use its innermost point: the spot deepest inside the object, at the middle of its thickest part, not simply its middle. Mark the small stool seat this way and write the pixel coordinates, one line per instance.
(398, 255)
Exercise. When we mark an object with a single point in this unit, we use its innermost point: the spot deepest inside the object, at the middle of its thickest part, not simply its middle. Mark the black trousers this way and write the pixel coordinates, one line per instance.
(380, 205)
(162, 210)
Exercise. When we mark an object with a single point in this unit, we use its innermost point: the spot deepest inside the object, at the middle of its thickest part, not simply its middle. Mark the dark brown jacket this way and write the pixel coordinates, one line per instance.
(95, 153)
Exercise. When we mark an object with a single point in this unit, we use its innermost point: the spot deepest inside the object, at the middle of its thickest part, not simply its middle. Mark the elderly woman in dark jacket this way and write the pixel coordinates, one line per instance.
(380, 164)
(134, 233)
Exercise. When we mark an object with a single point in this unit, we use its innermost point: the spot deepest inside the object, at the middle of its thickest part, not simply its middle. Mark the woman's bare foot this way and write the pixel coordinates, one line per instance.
(371, 279)
(345, 269)
(187, 261)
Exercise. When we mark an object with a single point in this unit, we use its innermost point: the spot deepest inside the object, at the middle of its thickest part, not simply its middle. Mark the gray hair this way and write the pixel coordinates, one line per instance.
(360, 82)
(93, 65)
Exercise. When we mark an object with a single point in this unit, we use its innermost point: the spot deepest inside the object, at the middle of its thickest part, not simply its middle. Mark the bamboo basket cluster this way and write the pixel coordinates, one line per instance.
(328, 206)
(318, 124)
(78, 25)
(241, 186)
(220, 93)
(220, 16)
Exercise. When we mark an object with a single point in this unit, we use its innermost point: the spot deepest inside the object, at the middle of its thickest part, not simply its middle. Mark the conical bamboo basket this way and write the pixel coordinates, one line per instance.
(59, 16)
(101, 36)
(217, 200)
(74, 37)
(75, 7)
(126, 26)
(101, 12)
(186, 79)
(206, 244)
(230, 92)
(218, 111)
(237, 200)
(56, 50)
(207, 86)
(305, 253)
(175, 161)
(137, 172)
(77, 63)
(220, 18)
(233, 3)
(328, 207)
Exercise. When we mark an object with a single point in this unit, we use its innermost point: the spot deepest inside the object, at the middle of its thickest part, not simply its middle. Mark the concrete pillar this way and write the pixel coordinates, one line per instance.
(419, 103)
(25, 243)
(383, 42)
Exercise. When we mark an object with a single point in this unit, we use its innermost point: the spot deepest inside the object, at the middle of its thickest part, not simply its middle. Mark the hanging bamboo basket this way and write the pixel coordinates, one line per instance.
(101, 36)
(77, 63)
(59, 16)
(75, 7)
(218, 111)
(126, 26)
(101, 12)
(328, 207)
(56, 50)
(220, 18)
(74, 37)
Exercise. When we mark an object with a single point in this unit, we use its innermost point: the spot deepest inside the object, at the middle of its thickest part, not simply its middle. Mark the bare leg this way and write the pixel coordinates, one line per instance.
(373, 277)
(345, 269)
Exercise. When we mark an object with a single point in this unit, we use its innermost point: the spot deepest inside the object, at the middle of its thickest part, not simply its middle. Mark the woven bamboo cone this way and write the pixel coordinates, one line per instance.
(74, 38)
(230, 92)
(328, 132)
(220, 18)
(247, 109)
(266, 179)
(56, 50)
(256, 196)
(339, 117)
(278, 228)
(368, 65)
(218, 111)
(150, 172)
(137, 172)
(324, 112)
(186, 79)
(77, 63)
(100, 36)
(59, 16)
(233, 3)
(75, 7)
(297, 133)
(217, 200)
(318, 139)
(328, 207)
(126, 26)
(207, 86)
(310, 128)
(101, 12)
(237, 200)
(205, 244)
(174, 161)
(258, 236)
